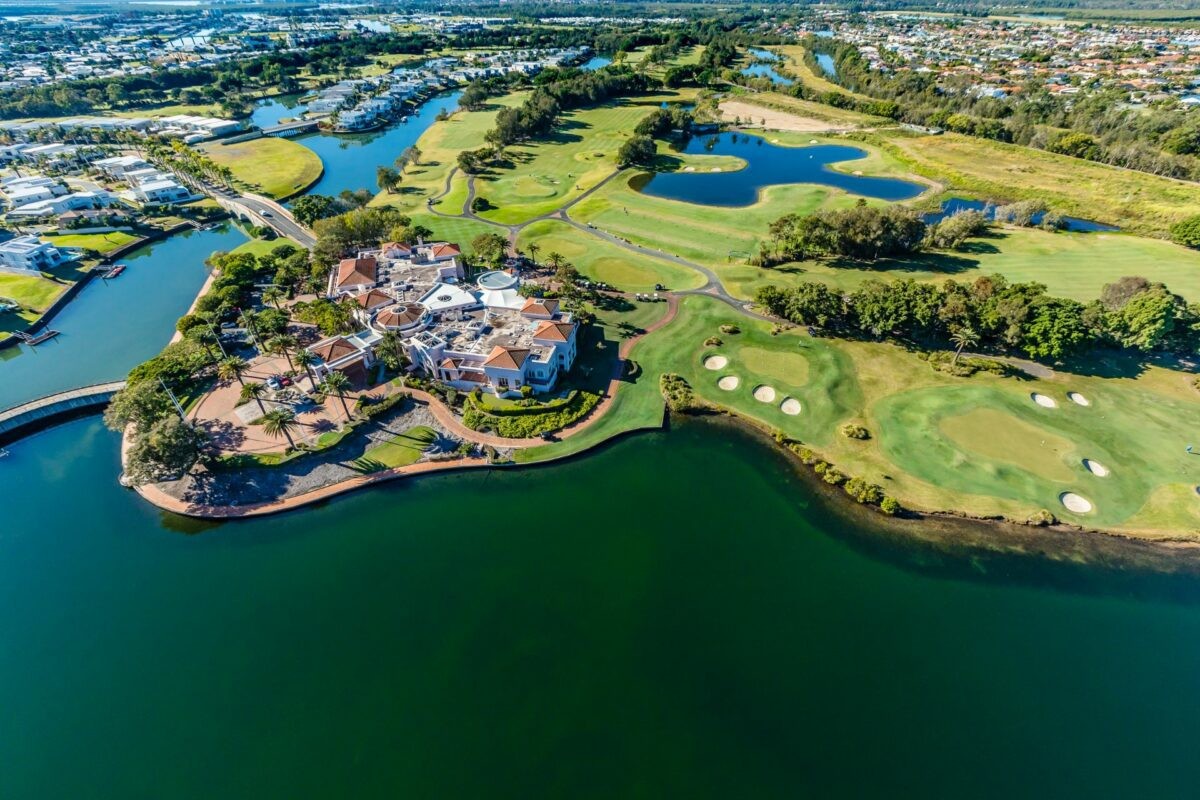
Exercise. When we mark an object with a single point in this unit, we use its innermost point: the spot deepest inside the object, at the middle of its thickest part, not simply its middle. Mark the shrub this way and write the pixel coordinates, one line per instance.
(805, 455)
(713, 341)
(526, 425)
(943, 361)
(1187, 232)
(1042, 518)
(863, 491)
(833, 476)
(730, 329)
(677, 392)
(852, 431)
(890, 506)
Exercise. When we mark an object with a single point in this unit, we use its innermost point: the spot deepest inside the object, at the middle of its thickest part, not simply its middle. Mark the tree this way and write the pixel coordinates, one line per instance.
(280, 422)
(166, 449)
(962, 338)
(283, 343)
(1145, 320)
(272, 295)
(490, 248)
(533, 250)
(139, 403)
(312, 207)
(387, 178)
(1055, 328)
(1079, 145)
(306, 359)
(555, 259)
(232, 368)
(638, 150)
(254, 391)
(1187, 232)
(391, 350)
(336, 383)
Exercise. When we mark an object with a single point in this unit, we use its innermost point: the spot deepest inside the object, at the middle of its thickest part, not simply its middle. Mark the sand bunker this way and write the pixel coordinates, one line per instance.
(1078, 399)
(764, 394)
(1074, 502)
(716, 362)
(689, 169)
(1096, 468)
(715, 169)
(1044, 401)
(790, 406)
(728, 383)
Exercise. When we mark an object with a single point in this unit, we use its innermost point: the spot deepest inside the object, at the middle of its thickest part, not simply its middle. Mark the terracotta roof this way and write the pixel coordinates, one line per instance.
(386, 246)
(506, 357)
(444, 250)
(540, 305)
(373, 299)
(448, 363)
(353, 271)
(331, 350)
(551, 331)
(400, 316)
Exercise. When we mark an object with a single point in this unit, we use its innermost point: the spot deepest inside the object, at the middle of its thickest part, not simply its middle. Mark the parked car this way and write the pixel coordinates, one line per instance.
(274, 383)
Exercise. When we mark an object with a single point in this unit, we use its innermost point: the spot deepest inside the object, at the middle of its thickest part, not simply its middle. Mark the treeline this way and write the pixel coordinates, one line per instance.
(224, 83)
(1159, 138)
(995, 315)
(871, 233)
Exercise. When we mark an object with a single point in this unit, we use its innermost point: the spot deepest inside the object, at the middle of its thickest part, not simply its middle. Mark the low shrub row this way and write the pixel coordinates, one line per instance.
(524, 426)
(863, 491)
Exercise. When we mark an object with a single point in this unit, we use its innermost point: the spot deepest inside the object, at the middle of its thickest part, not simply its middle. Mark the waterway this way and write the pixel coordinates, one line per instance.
(762, 70)
(769, 165)
(111, 326)
(954, 205)
(678, 617)
(351, 159)
(825, 62)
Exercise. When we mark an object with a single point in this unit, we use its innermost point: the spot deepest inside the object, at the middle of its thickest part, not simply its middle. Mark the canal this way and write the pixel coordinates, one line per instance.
(111, 326)
(678, 616)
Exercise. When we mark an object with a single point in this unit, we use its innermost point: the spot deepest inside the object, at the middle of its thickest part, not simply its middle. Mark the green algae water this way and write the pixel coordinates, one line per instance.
(674, 615)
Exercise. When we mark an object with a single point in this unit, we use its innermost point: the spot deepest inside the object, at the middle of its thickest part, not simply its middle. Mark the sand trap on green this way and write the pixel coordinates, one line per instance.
(781, 365)
(1043, 401)
(764, 394)
(728, 383)
(1078, 399)
(1002, 437)
(1095, 467)
(1075, 503)
(716, 362)
(790, 406)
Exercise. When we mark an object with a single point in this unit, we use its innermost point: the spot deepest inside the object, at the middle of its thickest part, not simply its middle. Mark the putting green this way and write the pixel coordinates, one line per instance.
(1002, 437)
(782, 366)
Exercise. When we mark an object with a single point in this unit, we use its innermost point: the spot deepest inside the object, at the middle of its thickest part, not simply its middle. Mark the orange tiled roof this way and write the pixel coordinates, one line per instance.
(551, 331)
(506, 357)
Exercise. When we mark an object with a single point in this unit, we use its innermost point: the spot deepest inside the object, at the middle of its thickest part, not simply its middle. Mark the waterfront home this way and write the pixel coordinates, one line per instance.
(54, 206)
(28, 254)
(118, 167)
(162, 191)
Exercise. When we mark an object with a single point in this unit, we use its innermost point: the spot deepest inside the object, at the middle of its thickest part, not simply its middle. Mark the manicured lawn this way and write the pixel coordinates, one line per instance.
(550, 172)
(1134, 201)
(274, 167)
(260, 247)
(404, 449)
(603, 261)
(979, 445)
(461, 231)
(100, 242)
(34, 294)
(1075, 265)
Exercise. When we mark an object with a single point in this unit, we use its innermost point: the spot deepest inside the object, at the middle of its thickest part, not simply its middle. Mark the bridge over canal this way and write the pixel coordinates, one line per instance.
(28, 417)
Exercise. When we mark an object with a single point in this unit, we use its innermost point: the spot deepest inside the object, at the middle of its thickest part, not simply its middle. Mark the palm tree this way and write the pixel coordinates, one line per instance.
(963, 337)
(556, 259)
(272, 295)
(391, 341)
(533, 249)
(283, 343)
(254, 391)
(336, 383)
(232, 368)
(306, 359)
(280, 422)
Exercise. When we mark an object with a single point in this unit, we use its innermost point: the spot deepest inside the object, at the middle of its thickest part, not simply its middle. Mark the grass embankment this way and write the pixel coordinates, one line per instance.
(793, 62)
(603, 261)
(404, 449)
(35, 294)
(277, 168)
(1135, 201)
(977, 445)
(261, 247)
(790, 112)
(102, 243)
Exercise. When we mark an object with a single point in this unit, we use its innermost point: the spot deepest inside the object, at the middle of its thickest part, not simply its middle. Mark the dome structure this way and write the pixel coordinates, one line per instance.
(401, 317)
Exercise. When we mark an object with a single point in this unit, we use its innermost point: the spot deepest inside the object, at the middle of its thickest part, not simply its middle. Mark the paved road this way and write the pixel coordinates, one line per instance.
(273, 214)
